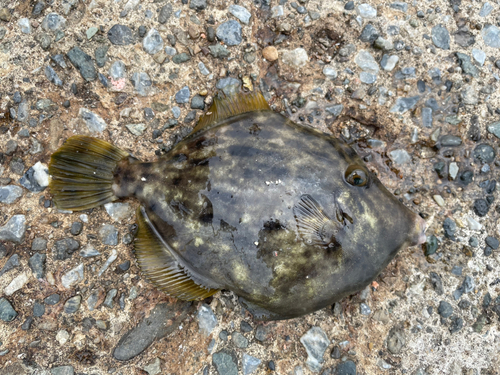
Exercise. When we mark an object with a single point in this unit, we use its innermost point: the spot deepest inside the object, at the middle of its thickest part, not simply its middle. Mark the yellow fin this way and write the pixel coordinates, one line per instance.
(222, 109)
(161, 267)
(82, 173)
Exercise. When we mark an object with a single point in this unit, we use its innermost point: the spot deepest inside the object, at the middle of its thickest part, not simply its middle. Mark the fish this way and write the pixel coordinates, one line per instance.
(287, 217)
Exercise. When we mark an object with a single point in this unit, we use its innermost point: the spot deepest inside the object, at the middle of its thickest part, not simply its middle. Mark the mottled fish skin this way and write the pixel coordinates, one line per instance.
(223, 199)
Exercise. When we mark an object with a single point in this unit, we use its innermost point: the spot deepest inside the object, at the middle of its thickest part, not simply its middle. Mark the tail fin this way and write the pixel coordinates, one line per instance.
(82, 173)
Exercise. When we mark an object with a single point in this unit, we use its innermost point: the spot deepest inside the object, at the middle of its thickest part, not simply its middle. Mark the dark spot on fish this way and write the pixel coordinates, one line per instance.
(177, 180)
(226, 227)
(272, 225)
(207, 213)
(254, 129)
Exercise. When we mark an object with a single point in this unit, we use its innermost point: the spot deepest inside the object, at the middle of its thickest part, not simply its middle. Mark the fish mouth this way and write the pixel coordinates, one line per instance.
(419, 237)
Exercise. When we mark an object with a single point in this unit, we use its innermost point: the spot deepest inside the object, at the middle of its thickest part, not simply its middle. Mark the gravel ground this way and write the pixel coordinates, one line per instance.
(413, 87)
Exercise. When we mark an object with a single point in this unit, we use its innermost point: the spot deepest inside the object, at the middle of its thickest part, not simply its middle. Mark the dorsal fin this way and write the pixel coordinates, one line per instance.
(223, 108)
(161, 267)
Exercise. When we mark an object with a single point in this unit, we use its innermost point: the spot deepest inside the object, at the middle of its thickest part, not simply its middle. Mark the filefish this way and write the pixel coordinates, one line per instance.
(287, 217)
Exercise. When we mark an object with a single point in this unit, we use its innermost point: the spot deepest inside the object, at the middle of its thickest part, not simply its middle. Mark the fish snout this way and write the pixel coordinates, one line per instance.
(419, 236)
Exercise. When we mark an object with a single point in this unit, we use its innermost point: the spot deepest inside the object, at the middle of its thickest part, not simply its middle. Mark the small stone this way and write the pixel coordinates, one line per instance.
(383, 44)
(229, 32)
(241, 13)
(494, 128)
(181, 58)
(366, 62)
(182, 96)
(469, 95)
(83, 63)
(37, 265)
(24, 24)
(206, 320)
(62, 370)
(152, 42)
(7, 312)
(176, 111)
(117, 70)
(121, 35)
(277, 11)
(466, 64)
(89, 251)
(456, 324)
(245, 327)
(239, 340)
(108, 301)
(64, 249)
(250, 364)
(364, 309)
(369, 34)
(479, 56)
(14, 230)
(91, 31)
(73, 276)
(335, 110)
(441, 37)
(17, 166)
(11, 263)
(52, 76)
(270, 53)
(100, 55)
(154, 367)
(36, 178)
(481, 207)
(39, 244)
(72, 304)
(17, 283)
(330, 72)
(404, 104)
(492, 242)
(218, 51)
(198, 102)
(400, 156)
(198, 5)
(445, 309)
(485, 10)
(491, 36)
(142, 83)
(403, 7)
(388, 63)
(53, 22)
(346, 368)
(108, 262)
(296, 58)
(108, 235)
(53, 299)
(10, 193)
(118, 211)
(315, 342)
(165, 13)
(366, 11)
(225, 361)
(449, 227)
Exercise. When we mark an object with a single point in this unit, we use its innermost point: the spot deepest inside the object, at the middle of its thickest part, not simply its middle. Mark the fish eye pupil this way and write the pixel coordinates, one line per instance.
(356, 176)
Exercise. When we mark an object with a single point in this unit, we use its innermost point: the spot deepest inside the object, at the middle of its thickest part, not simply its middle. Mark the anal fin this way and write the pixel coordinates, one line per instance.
(161, 267)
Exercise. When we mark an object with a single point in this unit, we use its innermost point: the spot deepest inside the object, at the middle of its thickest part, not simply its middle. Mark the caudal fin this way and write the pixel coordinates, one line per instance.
(82, 173)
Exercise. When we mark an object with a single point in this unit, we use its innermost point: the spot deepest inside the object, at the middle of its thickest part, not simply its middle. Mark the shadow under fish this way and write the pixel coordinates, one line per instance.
(285, 216)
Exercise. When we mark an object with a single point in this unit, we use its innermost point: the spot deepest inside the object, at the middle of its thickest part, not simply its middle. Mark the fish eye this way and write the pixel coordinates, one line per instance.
(356, 175)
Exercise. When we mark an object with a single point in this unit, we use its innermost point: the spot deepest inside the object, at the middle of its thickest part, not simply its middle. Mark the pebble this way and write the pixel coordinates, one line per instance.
(473, 224)
(118, 70)
(366, 11)
(108, 301)
(296, 58)
(449, 227)
(83, 63)
(270, 53)
(229, 85)
(36, 178)
(206, 320)
(466, 64)
(494, 128)
(396, 340)
(219, 51)
(441, 37)
(388, 63)
(108, 262)
(481, 207)
(37, 265)
(121, 35)
(479, 56)
(181, 58)
(176, 111)
(73, 276)
(53, 22)
(240, 13)
(17, 283)
(198, 5)
(445, 309)
(335, 110)
(7, 312)
(39, 244)
(315, 342)
(226, 362)
(404, 104)
(346, 368)
(491, 36)
(89, 251)
(469, 95)
(163, 319)
(154, 367)
(182, 96)
(364, 309)
(250, 364)
(17, 166)
(203, 69)
(485, 10)
(10, 193)
(369, 34)
(229, 32)
(400, 156)
(492, 242)
(142, 83)
(198, 102)
(76, 228)
(403, 7)
(14, 230)
(367, 63)
(239, 340)
(165, 13)
(62, 370)
(72, 304)
(383, 44)
(63, 249)
(11, 263)
(24, 24)
(152, 42)
(93, 121)
(431, 245)
(118, 211)
(330, 72)
(53, 299)
(172, 51)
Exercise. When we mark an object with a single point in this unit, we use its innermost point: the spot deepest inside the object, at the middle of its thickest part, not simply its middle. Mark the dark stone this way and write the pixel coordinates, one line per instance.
(450, 141)
(431, 245)
(466, 177)
(421, 86)
(346, 368)
(29, 181)
(349, 5)
(369, 34)
(76, 228)
(100, 55)
(27, 323)
(226, 362)
(440, 168)
(163, 319)
(481, 207)
(7, 312)
(490, 189)
(484, 153)
(53, 299)
(456, 324)
(198, 102)
(492, 242)
(464, 38)
(181, 58)
(83, 63)
(190, 117)
(63, 249)
(486, 300)
(38, 8)
(123, 267)
(445, 309)
(336, 353)
(11, 263)
(450, 227)
(437, 283)
(142, 31)
(245, 327)
(38, 309)
(37, 265)
(165, 13)
(121, 35)
(198, 5)
(474, 132)
(210, 34)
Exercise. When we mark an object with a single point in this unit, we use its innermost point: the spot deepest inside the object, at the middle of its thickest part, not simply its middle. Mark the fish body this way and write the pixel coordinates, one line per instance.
(286, 217)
